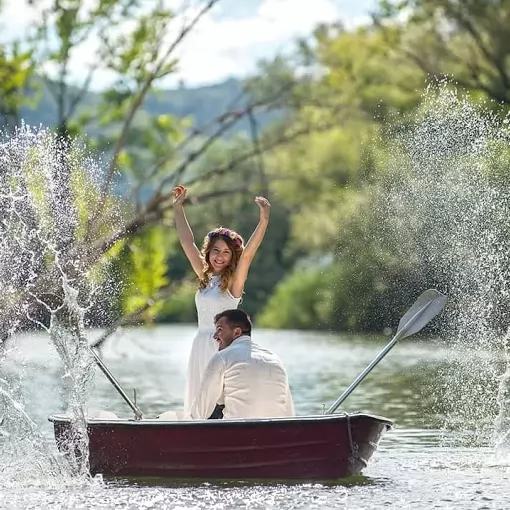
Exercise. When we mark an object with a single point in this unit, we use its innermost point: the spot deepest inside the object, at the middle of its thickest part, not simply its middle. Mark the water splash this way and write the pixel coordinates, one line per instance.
(67, 333)
(446, 211)
(18, 434)
(47, 188)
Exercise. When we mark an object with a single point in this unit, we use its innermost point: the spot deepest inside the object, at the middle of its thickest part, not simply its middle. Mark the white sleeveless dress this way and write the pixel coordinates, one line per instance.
(209, 302)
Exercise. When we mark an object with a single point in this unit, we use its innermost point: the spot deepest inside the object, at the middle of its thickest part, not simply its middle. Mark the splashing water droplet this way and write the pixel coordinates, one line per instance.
(445, 208)
(47, 188)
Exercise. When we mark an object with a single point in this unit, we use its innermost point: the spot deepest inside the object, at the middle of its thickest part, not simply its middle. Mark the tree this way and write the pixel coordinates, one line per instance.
(64, 205)
(464, 40)
(332, 181)
(15, 68)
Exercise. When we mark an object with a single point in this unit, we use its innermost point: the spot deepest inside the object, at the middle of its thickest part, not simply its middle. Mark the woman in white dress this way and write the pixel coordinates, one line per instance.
(222, 268)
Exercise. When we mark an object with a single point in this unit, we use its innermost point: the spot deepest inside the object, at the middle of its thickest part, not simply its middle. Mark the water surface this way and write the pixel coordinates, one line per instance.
(418, 465)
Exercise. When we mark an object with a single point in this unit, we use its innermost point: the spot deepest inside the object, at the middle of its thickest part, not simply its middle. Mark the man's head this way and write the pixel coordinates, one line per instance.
(231, 324)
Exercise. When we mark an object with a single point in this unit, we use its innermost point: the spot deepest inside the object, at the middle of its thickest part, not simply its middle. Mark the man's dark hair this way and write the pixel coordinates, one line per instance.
(236, 318)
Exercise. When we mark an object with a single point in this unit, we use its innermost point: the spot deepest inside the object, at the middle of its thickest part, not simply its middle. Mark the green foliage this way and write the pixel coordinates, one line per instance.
(326, 261)
(365, 73)
(464, 40)
(137, 53)
(146, 272)
(301, 301)
(331, 182)
(16, 66)
(180, 307)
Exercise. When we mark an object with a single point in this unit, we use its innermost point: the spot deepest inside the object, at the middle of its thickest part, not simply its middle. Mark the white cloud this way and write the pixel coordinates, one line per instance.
(220, 46)
(16, 17)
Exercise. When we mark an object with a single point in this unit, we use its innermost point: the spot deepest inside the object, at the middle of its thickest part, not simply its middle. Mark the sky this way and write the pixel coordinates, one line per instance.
(227, 42)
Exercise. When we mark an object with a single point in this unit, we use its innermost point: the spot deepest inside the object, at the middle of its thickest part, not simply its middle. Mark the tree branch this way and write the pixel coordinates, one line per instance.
(225, 122)
(134, 317)
(195, 132)
(469, 26)
(135, 105)
(82, 91)
(149, 216)
(276, 142)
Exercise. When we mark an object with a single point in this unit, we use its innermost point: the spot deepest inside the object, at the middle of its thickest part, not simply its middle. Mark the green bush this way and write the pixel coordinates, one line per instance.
(300, 301)
(181, 306)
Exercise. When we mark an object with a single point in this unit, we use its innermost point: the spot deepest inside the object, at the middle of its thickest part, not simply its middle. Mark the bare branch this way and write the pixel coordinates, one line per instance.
(135, 105)
(134, 317)
(469, 26)
(267, 146)
(225, 122)
(82, 91)
(222, 123)
(230, 115)
(258, 151)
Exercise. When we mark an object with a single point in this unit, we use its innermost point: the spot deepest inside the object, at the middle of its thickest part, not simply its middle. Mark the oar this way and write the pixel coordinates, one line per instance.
(424, 309)
(118, 387)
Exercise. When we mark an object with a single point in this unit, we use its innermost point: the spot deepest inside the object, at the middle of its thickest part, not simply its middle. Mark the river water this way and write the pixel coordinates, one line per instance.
(419, 464)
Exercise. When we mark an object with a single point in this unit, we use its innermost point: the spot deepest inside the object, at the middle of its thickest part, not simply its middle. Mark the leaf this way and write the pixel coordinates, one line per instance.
(147, 276)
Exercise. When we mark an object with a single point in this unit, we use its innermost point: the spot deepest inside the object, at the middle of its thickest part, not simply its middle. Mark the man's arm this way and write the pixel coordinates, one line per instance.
(211, 389)
(289, 404)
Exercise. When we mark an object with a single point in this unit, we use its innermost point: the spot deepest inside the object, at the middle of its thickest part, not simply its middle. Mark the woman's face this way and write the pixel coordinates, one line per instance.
(220, 255)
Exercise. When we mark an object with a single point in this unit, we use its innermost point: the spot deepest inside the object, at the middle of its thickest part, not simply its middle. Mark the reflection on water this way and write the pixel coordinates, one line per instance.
(408, 471)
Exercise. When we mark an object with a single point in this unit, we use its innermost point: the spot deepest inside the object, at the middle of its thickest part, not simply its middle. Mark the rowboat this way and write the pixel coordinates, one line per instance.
(316, 447)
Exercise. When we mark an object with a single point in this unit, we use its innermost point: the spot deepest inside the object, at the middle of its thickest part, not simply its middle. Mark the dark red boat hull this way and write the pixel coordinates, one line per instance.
(305, 447)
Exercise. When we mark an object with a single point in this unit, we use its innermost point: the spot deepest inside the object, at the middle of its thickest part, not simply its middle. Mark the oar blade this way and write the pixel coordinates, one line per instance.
(424, 309)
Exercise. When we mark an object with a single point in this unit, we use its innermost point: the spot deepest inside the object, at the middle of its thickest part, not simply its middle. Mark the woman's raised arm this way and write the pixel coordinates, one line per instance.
(243, 266)
(185, 233)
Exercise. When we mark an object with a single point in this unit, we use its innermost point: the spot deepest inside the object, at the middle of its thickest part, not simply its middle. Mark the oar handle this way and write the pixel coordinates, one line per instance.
(412, 322)
(365, 372)
(118, 387)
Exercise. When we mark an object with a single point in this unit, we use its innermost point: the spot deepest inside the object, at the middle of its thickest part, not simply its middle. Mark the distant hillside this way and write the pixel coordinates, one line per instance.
(203, 104)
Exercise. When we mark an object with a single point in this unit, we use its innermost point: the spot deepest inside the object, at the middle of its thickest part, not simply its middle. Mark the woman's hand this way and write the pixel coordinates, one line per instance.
(179, 193)
(265, 207)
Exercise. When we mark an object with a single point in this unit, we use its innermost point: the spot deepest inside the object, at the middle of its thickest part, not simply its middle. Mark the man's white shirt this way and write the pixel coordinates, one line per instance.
(249, 379)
